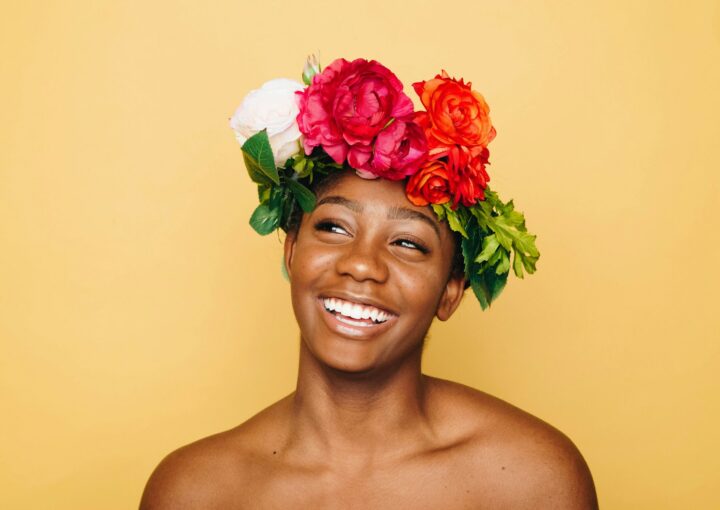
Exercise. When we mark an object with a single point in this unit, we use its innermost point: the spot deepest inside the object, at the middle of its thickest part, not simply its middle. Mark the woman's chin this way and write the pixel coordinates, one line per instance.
(354, 357)
(350, 357)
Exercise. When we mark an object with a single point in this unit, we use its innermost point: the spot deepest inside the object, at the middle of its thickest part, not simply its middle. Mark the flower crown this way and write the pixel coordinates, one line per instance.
(355, 116)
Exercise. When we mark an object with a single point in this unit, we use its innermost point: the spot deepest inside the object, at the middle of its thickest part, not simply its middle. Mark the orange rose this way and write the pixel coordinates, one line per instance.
(429, 185)
(456, 114)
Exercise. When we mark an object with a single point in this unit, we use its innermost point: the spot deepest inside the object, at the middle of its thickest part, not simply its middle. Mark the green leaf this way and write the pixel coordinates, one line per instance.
(503, 266)
(300, 164)
(263, 193)
(517, 219)
(439, 211)
(265, 219)
(489, 245)
(481, 291)
(255, 173)
(288, 205)
(259, 159)
(487, 287)
(518, 265)
(454, 221)
(503, 230)
(496, 284)
(528, 263)
(304, 196)
(470, 247)
(308, 171)
(496, 257)
(525, 243)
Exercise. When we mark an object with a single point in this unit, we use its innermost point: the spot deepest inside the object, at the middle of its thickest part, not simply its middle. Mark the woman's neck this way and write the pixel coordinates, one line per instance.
(365, 415)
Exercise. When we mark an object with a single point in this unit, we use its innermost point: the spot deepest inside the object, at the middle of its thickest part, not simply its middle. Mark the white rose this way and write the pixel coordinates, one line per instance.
(274, 107)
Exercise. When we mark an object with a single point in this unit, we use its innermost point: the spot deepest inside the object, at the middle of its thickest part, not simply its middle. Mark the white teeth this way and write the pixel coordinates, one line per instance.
(350, 322)
(354, 310)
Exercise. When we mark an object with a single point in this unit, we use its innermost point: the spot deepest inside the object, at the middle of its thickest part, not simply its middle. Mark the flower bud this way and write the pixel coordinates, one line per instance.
(312, 67)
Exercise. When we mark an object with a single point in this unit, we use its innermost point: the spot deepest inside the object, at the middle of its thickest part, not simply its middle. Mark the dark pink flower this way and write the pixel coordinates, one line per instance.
(347, 105)
(399, 150)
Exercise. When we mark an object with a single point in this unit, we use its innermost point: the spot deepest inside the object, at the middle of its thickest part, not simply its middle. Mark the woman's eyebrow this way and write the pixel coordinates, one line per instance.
(335, 199)
(403, 213)
(394, 213)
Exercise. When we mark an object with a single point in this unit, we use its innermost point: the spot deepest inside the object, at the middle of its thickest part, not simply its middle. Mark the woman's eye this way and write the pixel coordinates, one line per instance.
(328, 226)
(406, 243)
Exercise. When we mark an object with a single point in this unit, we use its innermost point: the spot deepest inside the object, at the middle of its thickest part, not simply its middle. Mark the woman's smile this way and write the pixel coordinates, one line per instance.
(369, 271)
(355, 319)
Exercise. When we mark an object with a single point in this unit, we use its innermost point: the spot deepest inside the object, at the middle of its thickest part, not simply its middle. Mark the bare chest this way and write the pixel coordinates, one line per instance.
(424, 485)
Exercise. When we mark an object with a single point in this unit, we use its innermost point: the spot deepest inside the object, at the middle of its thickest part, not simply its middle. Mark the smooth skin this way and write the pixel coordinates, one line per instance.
(365, 429)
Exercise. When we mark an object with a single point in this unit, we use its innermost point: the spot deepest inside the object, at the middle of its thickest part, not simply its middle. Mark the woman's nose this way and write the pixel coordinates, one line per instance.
(363, 260)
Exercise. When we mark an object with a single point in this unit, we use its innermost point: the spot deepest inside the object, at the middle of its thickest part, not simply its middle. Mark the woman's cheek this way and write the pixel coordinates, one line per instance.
(316, 259)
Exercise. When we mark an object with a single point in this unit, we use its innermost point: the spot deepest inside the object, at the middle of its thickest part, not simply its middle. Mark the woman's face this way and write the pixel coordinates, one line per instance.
(368, 272)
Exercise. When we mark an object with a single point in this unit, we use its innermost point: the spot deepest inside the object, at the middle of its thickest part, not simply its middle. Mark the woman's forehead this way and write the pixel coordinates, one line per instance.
(381, 196)
(365, 191)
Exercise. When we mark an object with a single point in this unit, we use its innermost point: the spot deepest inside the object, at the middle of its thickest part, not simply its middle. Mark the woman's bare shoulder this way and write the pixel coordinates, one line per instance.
(210, 471)
(526, 459)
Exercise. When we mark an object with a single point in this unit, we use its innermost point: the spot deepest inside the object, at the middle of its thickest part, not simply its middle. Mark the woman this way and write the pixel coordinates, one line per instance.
(369, 270)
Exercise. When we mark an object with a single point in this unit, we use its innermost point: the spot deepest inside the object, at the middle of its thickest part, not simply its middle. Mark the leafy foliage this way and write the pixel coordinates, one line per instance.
(281, 190)
(493, 233)
(304, 196)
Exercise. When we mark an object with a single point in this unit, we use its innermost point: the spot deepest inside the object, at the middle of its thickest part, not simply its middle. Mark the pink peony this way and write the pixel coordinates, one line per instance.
(399, 150)
(347, 105)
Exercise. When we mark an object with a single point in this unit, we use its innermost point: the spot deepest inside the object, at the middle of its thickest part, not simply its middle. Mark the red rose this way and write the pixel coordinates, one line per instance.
(467, 175)
(348, 104)
(430, 185)
(399, 150)
(456, 114)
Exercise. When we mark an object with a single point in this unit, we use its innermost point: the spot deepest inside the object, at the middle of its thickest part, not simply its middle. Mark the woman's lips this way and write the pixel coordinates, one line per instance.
(350, 310)
(353, 319)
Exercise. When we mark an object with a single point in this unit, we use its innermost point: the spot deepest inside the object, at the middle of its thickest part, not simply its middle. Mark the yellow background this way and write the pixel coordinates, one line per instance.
(138, 311)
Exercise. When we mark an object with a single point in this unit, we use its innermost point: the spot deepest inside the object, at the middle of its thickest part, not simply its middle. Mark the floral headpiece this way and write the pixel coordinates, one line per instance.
(355, 116)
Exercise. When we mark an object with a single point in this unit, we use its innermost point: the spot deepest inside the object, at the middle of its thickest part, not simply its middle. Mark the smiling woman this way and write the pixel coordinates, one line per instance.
(366, 250)
(372, 262)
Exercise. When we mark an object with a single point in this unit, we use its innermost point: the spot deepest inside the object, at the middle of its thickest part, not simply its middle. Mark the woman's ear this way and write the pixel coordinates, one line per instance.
(451, 298)
(289, 249)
